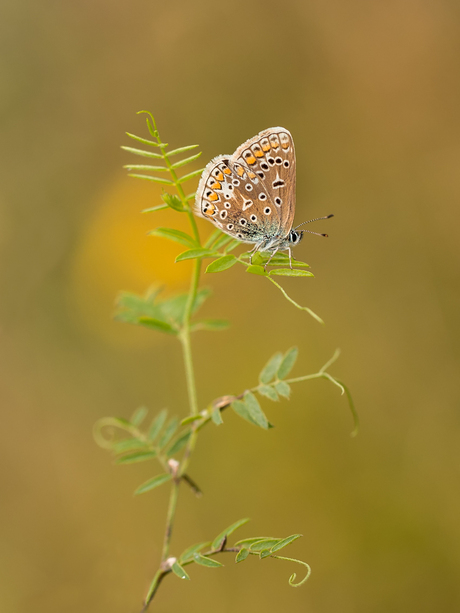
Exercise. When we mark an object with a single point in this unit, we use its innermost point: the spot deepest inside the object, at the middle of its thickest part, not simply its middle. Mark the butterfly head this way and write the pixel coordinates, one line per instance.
(295, 236)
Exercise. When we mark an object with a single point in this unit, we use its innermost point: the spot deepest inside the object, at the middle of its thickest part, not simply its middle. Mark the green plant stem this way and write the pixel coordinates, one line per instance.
(185, 339)
(170, 518)
(159, 576)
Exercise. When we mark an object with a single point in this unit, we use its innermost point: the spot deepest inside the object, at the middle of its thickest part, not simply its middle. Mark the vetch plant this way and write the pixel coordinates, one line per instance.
(169, 441)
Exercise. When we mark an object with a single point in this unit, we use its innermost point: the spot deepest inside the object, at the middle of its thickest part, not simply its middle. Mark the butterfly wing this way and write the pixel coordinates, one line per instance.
(271, 156)
(251, 194)
(232, 196)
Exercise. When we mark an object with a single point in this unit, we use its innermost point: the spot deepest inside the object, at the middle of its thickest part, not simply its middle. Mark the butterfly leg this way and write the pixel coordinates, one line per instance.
(254, 250)
(270, 259)
(290, 257)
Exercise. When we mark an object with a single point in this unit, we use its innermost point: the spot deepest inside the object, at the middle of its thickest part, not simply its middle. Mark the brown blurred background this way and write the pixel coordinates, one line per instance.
(370, 91)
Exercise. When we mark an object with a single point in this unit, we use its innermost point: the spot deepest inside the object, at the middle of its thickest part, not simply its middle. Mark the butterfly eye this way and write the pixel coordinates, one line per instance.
(279, 160)
(286, 164)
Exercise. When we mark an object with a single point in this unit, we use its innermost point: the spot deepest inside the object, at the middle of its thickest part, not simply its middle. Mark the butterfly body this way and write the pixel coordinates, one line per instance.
(250, 194)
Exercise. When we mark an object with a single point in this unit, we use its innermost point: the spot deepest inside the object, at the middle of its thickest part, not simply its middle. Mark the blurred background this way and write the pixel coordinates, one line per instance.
(370, 92)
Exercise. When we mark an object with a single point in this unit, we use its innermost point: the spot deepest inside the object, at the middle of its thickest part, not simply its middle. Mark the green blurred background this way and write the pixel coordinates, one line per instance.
(370, 92)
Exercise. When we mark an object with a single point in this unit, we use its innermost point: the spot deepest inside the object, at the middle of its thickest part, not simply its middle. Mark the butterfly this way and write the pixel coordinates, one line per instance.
(250, 195)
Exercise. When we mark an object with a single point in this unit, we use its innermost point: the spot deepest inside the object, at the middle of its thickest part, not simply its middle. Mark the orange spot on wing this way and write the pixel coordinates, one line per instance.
(220, 177)
(259, 154)
(227, 171)
(251, 160)
(240, 171)
(213, 197)
(209, 210)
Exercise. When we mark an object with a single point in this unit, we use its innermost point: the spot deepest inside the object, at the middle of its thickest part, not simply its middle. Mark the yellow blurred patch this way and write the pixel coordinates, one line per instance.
(115, 253)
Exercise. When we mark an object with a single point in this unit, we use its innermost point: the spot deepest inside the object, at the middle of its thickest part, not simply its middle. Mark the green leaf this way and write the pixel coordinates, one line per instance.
(226, 261)
(280, 259)
(288, 362)
(201, 296)
(215, 325)
(179, 444)
(242, 410)
(231, 246)
(151, 125)
(132, 458)
(222, 241)
(268, 392)
(191, 254)
(168, 432)
(187, 555)
(242, 555)
(179, 571)
(153, 483)
(287, 272)
(190, 419)
(287, 541)
(213, 237)
(181, 150)
(151, 178)
(283, 389)
(217, 417)
(152, 209)
(254, 269)
(145, 167)
(173, 201)
(191, 175)
(271, 367)
(264, 544)
(146, 154)
(185, 161)
(265, 553)
(157, 324)
(143, 140)
(131, 306)
(139, 415)
(255, 411)
(128, 444)
(174, 235)
(204, 561)
(218, 540)
(157, 424)
(257, 258)
(254, 539)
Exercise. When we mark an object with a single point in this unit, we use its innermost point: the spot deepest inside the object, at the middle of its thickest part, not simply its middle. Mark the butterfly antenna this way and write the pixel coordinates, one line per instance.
(310, 220)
